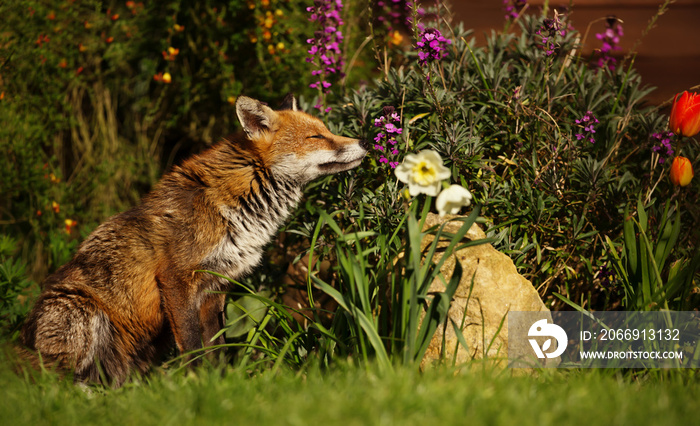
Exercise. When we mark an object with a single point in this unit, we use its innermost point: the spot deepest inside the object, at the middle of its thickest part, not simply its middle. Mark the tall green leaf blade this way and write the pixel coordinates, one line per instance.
(642, 214)
(437, 312)
(668, 239)
(630, 245)
(365, 323)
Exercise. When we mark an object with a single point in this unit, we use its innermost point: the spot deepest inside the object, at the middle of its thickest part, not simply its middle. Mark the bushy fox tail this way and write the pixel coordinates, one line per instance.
(29, 364)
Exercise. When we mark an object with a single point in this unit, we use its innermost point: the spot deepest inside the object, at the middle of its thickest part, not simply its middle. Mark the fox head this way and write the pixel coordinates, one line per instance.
(294, 144)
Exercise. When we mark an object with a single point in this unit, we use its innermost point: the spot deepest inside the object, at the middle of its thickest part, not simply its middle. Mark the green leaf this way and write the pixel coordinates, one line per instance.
(418, 117)
(364, 322)
(642, 214)
(671, 229)
(244, 314)
(630, 243)
(437, 312)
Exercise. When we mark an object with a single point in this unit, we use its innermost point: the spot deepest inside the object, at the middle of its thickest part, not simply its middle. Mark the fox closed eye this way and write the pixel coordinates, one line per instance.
(316, 137)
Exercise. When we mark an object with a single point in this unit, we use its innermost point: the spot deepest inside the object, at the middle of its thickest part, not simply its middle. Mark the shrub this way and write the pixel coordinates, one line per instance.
(553, 149)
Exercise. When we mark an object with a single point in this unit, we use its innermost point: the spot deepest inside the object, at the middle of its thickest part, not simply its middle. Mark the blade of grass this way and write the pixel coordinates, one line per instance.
(363, 321)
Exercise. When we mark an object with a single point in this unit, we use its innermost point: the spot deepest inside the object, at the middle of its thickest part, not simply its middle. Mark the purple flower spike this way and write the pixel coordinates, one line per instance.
(325, 53)
(611, 40)
(550, 32)
(586, 123)
(386, 139)
(513, 8)
(432, 46)
(662, 145)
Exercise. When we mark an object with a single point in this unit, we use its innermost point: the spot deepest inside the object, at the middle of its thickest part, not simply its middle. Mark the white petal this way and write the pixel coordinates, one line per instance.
(435, 160)
(452, 199)
(433, 189)
(443, 173)
(414, 189)
(403, 172)
(430, 156)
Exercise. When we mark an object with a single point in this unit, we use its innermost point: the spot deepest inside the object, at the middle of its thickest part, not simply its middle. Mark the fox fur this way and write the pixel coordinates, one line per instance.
(133, 289)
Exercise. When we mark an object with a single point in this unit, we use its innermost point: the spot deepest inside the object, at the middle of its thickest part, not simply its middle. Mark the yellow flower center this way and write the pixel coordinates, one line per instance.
(424, 173)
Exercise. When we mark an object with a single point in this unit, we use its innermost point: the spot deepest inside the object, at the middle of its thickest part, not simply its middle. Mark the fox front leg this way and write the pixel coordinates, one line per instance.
(211, 315)
(179, 303)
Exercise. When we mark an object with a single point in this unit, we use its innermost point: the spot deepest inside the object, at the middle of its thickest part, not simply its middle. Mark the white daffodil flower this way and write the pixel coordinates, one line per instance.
(452, 199)
(423, 172)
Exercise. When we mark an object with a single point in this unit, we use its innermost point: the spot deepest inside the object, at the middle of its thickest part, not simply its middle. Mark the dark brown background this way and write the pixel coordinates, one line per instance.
(668, 57)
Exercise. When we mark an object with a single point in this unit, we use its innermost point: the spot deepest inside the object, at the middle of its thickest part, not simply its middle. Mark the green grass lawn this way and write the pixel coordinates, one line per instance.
(355, 396)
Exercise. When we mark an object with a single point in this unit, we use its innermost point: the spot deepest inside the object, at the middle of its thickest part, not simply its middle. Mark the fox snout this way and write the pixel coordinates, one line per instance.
(364, 144)
(347, 157)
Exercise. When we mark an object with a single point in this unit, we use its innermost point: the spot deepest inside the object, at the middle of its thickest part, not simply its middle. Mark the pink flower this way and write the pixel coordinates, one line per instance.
(432, 46)
(385, 143)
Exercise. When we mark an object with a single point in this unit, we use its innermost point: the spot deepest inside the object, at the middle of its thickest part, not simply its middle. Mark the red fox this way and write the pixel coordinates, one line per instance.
(134, 288)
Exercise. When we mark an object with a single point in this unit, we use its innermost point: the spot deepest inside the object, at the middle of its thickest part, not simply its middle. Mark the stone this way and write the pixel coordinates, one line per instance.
(296, 296)
(480, 310)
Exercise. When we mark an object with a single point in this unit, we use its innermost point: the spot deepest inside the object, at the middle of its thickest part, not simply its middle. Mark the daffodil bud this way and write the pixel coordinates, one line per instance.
(452, 199)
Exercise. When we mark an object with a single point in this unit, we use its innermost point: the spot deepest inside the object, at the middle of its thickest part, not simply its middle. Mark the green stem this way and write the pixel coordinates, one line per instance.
(624, 83)
(478, 68)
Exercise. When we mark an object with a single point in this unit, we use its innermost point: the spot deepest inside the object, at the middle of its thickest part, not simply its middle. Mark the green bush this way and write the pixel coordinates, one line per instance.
(504, 118)
(15, 292)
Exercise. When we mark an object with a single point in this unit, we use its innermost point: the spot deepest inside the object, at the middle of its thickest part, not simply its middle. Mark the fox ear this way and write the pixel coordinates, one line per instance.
(255, 117)
(289, 102)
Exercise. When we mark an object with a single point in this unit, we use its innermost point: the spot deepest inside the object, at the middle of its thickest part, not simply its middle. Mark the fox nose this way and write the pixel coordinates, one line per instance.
(364, 144)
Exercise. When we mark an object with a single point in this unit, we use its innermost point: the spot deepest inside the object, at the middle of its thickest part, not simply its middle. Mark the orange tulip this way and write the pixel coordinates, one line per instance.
(685, 114)
(681, 171)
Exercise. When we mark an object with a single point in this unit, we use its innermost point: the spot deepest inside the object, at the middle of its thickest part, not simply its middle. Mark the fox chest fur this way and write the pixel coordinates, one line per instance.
(228, 230)
(137, 284)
